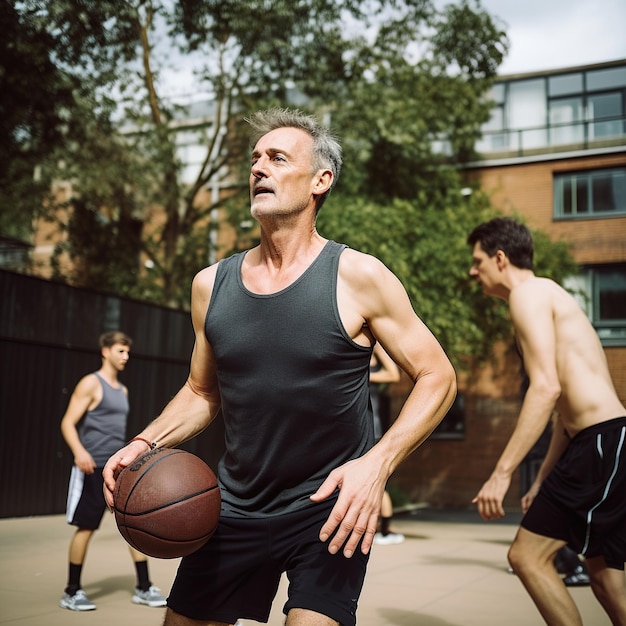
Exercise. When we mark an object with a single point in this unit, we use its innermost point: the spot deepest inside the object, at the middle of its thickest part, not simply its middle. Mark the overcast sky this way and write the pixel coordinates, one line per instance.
(543, 34)
(555, 34)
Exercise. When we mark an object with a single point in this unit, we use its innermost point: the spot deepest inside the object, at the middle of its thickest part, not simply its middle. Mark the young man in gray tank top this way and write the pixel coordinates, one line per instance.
(94, 426)
(284, 334)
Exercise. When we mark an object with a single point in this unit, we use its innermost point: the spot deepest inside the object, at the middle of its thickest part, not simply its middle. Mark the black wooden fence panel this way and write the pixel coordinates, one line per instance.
(48, 341)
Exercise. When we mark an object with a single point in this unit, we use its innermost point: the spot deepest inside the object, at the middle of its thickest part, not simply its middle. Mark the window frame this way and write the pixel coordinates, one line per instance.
(571, 182)
(586, 289)
(505, 132)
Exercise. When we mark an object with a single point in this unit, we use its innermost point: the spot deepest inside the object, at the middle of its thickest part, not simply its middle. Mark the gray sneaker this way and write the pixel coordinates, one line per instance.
(388, 539)
(78, 602)
(152, 597)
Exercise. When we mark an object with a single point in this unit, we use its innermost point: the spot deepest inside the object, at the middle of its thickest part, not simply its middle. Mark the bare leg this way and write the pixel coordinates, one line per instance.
(304, 617)
(136, 555)
(609, 587)
(79, 545)
(386, 509)
(176, 619)
(532, 558)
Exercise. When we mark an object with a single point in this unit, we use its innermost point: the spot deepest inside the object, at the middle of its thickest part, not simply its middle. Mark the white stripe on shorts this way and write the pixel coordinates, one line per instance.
(74, 492)
(607, 487)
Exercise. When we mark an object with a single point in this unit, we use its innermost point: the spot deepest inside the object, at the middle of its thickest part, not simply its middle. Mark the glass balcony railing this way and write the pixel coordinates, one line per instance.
(556, 137)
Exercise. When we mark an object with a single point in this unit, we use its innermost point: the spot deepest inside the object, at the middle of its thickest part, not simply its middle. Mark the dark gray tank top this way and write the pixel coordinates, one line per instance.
(293, 385)
(103, 429)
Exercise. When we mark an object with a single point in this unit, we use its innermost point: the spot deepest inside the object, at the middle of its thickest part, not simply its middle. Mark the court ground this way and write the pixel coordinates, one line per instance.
(450, 571)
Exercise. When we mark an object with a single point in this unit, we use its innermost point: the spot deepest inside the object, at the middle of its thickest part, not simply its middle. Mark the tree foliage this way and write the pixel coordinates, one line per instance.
(33, 96)
(392, 76)
(424, 242)
(347, 56)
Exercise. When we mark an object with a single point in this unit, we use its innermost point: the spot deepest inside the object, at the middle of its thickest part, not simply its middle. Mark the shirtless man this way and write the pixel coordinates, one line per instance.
(283, 339)
(579, 497)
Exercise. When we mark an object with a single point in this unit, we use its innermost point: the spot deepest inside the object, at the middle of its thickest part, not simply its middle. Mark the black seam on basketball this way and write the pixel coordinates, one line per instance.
(173, 542)
(151, 453)
(164, 454)
(184, 498)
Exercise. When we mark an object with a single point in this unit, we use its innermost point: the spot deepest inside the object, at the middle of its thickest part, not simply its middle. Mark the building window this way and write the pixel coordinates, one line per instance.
(593, 193)
(13, 253)
(453, 424)
(525, 112)
(566, 116)
(606, 113)
(601, 291)
(569, 109)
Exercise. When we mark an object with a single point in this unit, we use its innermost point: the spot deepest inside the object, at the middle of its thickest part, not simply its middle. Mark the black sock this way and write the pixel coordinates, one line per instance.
(143, 580)
(73, 578)
(384, 525)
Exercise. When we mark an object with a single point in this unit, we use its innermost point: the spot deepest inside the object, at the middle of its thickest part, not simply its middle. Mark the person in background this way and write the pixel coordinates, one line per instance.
(383, 371)
(578, 497)
(568, 564)
(94, 426)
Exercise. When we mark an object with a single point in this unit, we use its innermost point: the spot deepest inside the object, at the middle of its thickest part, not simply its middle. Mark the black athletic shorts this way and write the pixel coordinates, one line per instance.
(85, 499)
(583, 499)
(237, 573)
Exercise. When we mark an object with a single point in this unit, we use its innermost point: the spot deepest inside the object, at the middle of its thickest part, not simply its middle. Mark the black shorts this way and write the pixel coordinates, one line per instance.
(85, 499)
(236, 574)
(583, 499)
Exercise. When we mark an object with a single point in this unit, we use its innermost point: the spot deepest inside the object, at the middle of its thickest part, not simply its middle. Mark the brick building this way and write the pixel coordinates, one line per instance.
(553, 152)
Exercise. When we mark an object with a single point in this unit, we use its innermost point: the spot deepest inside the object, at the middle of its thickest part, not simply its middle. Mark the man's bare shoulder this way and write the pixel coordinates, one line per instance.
(533, 284)
(201, 291)
(359, 266)
(202, 284)
(205, 277)
(88, 385)
(541, 302)
(536, 290)
(90, 380)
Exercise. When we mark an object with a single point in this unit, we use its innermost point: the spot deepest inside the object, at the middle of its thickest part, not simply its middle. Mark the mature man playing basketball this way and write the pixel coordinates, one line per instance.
(284, 334)
(579, 496)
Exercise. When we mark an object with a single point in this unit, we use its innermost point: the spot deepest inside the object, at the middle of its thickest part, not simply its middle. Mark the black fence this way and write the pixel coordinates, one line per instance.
(48, 341)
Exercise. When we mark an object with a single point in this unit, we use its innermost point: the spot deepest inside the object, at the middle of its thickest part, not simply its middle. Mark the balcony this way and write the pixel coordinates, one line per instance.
(555, 138)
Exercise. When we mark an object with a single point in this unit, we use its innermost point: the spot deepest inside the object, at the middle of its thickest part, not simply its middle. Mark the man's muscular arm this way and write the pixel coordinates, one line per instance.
(195, 405)
(531, 312)
(371, 296)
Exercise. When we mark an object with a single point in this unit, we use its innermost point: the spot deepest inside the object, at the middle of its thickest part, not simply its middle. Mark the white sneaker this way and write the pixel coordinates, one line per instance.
(78, 602)
(388, 539)
(152, 597)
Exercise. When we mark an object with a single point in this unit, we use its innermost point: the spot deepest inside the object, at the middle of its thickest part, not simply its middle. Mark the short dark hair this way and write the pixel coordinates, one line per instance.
(327, 151)
(508, 235)
(112, 337)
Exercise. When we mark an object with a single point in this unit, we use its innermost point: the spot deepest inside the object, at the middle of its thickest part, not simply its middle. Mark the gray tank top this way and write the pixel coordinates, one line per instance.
(103, 429)
(293, 384)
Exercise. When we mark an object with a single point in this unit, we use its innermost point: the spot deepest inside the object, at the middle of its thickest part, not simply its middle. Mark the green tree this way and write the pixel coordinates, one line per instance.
(424, 242)
(33, 95)
(343, 57)
(402, 81)
(407, 112)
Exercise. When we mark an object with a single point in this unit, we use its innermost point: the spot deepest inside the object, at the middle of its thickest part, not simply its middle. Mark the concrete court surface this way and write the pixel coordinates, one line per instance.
(450, 571)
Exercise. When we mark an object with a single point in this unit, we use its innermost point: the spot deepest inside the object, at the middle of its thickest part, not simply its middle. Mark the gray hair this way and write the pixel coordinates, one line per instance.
(326, 147)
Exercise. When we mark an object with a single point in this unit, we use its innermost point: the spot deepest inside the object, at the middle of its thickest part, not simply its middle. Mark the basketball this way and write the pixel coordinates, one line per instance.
(167, 503)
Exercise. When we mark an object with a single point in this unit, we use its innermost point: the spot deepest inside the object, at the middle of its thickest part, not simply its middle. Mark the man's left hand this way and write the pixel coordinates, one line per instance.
(354, 518)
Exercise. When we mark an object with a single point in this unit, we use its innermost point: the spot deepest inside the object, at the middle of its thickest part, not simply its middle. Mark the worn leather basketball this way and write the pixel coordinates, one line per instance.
(167, 503)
